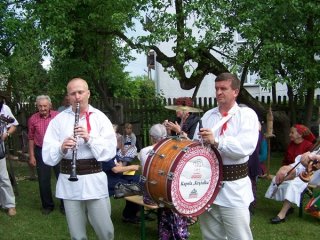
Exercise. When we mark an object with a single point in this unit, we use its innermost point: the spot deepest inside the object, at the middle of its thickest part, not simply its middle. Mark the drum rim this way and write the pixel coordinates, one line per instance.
(169, 197)
(216, 190)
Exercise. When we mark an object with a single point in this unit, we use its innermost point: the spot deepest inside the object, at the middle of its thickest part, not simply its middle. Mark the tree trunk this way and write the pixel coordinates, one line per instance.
(274, 93)
(309, 107)
(291, 103)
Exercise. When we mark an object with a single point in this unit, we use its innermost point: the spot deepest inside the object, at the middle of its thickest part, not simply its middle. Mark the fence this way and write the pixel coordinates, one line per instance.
(142, 113)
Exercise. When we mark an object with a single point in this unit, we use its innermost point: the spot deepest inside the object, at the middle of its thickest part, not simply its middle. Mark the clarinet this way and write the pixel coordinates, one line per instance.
(73, 174)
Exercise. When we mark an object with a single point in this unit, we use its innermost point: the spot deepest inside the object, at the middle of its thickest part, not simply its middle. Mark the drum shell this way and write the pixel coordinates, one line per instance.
(165, 166)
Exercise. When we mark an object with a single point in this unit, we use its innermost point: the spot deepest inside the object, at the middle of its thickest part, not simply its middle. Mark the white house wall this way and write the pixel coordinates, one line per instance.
(170, 88)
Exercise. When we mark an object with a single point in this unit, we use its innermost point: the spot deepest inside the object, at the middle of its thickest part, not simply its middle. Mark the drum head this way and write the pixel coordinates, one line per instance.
(196, 183)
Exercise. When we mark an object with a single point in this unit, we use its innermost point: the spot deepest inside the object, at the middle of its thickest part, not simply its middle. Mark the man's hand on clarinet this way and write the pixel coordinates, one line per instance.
(82, 132)
(68, 143)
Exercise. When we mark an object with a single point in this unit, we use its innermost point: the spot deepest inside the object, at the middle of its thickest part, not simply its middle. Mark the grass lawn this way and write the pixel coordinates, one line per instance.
(29, 223)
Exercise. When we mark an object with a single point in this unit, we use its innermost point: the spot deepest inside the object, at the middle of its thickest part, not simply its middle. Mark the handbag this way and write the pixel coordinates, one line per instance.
(127, 189)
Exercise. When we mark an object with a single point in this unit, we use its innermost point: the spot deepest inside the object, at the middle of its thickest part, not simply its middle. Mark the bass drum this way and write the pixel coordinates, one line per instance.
(183, 175)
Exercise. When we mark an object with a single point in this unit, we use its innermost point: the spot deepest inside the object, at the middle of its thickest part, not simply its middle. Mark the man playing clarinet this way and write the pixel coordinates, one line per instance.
(94, 139)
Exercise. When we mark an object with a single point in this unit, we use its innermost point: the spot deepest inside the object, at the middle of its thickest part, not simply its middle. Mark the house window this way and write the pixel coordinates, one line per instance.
(239, 38)
(250, 77)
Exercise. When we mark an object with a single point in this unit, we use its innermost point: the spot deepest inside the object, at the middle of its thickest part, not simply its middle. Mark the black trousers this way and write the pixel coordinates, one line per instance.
(44, 178)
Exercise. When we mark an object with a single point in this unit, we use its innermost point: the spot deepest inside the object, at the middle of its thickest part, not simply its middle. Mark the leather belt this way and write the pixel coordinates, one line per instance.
(83, 166)
(234, 172)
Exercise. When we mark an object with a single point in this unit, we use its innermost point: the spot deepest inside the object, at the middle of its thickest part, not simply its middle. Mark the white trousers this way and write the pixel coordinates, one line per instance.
(225, 223)
(7, 198)
(98, 212)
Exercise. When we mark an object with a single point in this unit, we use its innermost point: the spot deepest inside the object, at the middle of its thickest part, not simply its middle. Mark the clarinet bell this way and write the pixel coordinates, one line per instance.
(73, 178)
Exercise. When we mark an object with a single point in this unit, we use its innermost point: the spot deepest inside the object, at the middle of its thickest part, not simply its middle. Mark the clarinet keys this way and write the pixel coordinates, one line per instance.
(73, 175)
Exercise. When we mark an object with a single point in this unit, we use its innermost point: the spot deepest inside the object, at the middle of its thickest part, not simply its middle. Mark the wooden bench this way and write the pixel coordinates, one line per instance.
(137, 199)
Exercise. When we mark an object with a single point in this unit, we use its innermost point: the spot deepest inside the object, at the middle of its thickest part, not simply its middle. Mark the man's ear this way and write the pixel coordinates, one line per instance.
(236, 91)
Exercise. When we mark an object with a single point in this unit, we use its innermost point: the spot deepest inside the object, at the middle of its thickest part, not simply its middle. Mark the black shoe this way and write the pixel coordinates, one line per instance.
(134, 220)
(290, 211)
(46, 211)
(277, 220)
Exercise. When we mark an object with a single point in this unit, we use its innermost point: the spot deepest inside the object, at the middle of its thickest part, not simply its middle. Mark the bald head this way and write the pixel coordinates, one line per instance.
(78, 81)
(78, 92)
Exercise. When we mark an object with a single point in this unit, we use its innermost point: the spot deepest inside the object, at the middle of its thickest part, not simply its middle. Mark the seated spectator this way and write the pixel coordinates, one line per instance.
(284, 188)
(172, 225)
(128, 149)
(301, 141)
(156, 133)
(116, 173)
(290, 184)
(289, 191)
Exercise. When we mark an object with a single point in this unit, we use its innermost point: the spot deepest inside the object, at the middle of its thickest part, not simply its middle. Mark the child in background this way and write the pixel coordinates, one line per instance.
(118, 135)
(128, 149)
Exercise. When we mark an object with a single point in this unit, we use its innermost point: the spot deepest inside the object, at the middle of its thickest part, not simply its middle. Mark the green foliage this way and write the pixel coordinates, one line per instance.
(136, 87)
(77, 35)
(281, 40)
(81, 41)
(21, 53)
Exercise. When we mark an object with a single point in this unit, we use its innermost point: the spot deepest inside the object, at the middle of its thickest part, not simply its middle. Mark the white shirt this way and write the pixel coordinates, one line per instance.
(143, 155)
(236, 144)
(101, 146)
